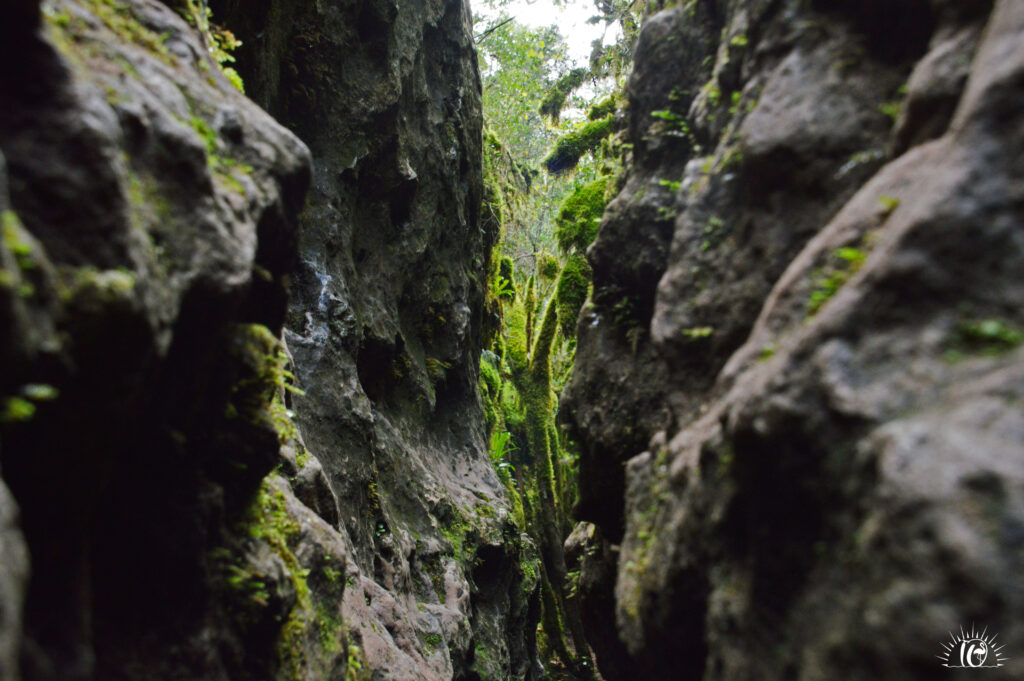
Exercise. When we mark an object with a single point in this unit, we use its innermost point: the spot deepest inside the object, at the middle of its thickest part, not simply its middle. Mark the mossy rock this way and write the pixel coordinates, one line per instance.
(580, 216)
(571, 293)
(606, 106)
(552, 104)
(570, 147)
(547, 266)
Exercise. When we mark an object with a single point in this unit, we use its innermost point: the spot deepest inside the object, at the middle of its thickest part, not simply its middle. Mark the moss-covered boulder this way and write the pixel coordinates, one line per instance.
(580, 216)
(571, 293)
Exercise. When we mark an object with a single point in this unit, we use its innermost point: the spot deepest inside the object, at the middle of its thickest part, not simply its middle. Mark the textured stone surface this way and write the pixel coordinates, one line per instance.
(838, 319)
(152, 214)
(385, 322)
(154, 223)
(14, 569)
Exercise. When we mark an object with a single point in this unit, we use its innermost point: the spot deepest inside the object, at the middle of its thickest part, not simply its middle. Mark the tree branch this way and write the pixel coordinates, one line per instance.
(492, 29)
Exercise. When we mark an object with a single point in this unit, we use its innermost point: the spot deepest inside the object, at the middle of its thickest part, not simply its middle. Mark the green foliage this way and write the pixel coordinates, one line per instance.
(571, 293)
(219, 41)
(672, 119)
(16, 409)
(436, 368)
(580, 216)
(579, 140)
(604, 107)
(260, 394)
(988, 337)
(505, 267)
(519, 380)
(223, 167)
(14, 239)
(698, 332)
(551, 105)
(887, 205)
(519, 66)
(547, 266)
(891, 109)
(712, 92)
(504, 288)
(830, 280)
(490, 393)
(118, 17)
(355, 668)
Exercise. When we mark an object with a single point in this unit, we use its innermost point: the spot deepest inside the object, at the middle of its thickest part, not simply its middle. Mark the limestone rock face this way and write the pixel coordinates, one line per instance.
(186, 515)
(149, 216)
(836, 334)
(385, 323)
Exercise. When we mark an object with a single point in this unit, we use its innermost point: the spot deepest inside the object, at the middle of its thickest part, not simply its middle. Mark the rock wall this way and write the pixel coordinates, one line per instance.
(198, 498)
(386, 319)
(148, 213)
(801, 364)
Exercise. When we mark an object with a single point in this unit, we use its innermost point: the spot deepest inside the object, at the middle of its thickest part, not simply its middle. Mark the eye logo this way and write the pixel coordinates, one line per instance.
(972, 650)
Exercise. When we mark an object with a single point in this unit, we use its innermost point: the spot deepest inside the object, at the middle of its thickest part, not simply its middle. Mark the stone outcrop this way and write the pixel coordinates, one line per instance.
(386, 319)
(815, 336)
(200, 499)
(149, 215)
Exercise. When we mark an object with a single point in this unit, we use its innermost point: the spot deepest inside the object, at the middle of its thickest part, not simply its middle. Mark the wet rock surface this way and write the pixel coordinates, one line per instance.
(836, 330)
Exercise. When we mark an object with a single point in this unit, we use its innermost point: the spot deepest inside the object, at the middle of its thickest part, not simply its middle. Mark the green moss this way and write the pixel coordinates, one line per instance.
(547, 266)
(14, 236)
(504, 286)
(848, 262)
(16, 410)
(505, 267)
(672, 121)
(301, 454)
(455, 533)
(433, 642)
(219, 41)
(887, 205)
(436, 368)
(988, 337)
(551, 105)
(490, 378)
(891, 110)
(582, 138)
(355, 668)
(117, 16)
(713, 93)
(579, 216)
(604, 107)
(90, 290)
(224, 168)
(571, 292)
(268, 520)
(698, 332)
(258, 396)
